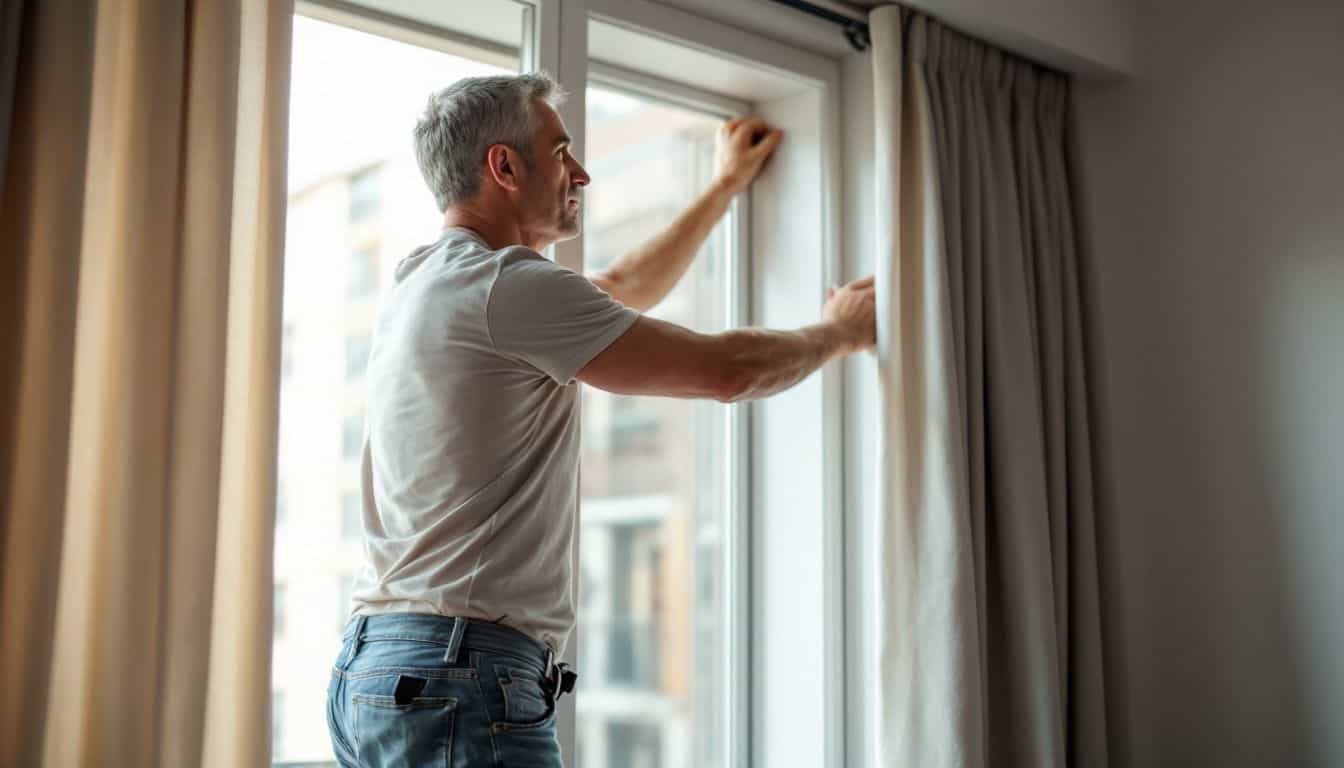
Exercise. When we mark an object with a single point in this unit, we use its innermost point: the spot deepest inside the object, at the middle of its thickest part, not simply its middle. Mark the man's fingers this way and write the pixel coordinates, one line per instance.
(770, 141)
(863, 282)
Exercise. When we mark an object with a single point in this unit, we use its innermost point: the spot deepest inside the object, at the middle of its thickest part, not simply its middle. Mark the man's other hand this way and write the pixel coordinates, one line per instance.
(741, 149)
(853, 309)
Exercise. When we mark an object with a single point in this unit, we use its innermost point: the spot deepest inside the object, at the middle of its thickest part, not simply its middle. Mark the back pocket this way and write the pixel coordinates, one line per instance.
(413, 732)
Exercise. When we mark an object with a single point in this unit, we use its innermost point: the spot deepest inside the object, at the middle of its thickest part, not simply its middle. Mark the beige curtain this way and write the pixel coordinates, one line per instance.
(142, 230)
(990, 647)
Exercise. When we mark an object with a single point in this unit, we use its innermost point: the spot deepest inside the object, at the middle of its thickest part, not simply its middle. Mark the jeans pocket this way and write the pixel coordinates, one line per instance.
(415, 731)
(527, 701)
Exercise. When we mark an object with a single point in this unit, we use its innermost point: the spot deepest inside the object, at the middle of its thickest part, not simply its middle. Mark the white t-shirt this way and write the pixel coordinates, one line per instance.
(470, 465)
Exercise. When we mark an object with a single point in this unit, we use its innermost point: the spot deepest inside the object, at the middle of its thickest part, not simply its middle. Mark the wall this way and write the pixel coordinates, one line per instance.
(1092, 38)
(1214, 212)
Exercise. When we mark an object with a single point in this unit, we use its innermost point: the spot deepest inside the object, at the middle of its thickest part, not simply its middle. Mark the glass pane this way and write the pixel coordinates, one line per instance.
(356, 205)
(652, 653)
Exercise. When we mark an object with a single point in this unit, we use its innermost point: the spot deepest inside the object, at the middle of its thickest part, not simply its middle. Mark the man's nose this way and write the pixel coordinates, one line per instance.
(579, 177)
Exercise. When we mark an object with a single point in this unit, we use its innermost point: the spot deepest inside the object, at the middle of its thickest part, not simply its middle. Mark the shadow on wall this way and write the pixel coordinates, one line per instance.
(1210, 188)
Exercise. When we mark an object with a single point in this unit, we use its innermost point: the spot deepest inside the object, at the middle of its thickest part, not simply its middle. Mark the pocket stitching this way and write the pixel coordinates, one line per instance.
(390, 702)
(426, 672)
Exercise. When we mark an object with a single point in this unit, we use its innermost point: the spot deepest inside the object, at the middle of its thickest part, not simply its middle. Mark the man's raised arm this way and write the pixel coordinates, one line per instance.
(642, 278)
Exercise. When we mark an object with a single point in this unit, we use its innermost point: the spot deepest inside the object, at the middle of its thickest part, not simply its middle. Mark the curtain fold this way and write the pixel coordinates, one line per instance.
(989, 613)
(144, 213)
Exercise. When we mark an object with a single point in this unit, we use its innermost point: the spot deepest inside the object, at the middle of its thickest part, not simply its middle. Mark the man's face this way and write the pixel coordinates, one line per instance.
(552, 186)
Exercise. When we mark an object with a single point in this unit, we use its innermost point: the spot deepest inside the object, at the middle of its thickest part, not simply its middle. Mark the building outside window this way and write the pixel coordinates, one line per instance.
(352, 437)
(277, 720)
(352, 524)
(278, 618)
(362, 277)
(344, 586)
(365, 195)
(356, 356)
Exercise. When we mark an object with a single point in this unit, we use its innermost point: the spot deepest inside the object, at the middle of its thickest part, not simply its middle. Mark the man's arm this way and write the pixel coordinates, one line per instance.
(643, 277)
(659, 358)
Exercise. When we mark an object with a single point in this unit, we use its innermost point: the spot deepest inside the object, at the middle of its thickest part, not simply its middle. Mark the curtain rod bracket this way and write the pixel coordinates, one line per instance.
(856, 32)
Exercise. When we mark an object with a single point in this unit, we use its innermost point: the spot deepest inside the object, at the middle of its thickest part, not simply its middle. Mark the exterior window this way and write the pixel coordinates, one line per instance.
(352, 437)
(356, 356)
(278, 622)
(287, 352)
(362, 278)
(365, 195)
(638, 745)
(352, 523)
(344, 586)
(277, 724)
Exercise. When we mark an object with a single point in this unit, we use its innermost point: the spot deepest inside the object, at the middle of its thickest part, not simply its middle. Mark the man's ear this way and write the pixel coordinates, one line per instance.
(502, 163)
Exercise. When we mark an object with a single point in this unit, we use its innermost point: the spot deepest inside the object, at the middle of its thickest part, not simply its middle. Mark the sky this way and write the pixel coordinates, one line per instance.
(355, 97)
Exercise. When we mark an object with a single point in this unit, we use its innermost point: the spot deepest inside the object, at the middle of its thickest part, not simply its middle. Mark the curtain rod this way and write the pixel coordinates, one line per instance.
(856, 32)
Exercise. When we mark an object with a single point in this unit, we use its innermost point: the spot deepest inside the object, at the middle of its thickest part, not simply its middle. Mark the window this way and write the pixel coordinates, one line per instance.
(352, 516)
(344, 586)
(277, 725)
(356, 356)
(287, 352)
(359, 82)
(278, 621)
(636, 745)
(352, 437)
(365, 195)
(673, 500)
(362, 280)
(656, 471)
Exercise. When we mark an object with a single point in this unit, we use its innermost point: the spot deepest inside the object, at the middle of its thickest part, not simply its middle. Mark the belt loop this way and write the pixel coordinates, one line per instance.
(455, 640)
(355, 640)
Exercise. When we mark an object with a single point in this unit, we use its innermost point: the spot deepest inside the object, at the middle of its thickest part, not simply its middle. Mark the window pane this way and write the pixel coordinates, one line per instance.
(362, 280)
(351, 513)
(365, 195)
(357, 204)
(652, 652)
(356, 355)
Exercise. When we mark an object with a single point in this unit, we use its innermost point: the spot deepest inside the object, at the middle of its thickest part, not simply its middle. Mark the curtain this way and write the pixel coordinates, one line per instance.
(142, 231)
(989, 617)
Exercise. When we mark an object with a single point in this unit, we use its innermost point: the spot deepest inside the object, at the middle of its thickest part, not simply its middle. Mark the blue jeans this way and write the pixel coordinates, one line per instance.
(419, 690)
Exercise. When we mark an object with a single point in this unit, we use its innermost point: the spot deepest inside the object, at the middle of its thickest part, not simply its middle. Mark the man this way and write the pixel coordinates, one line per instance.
(470, 468)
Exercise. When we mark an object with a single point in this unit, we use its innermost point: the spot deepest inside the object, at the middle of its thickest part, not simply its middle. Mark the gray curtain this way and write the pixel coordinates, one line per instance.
(991, 647)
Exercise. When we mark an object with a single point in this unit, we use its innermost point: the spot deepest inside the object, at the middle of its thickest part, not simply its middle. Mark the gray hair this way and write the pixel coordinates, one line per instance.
(462, 121)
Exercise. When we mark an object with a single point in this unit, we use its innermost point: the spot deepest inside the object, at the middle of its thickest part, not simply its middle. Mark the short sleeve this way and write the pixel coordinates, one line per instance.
(551, 317)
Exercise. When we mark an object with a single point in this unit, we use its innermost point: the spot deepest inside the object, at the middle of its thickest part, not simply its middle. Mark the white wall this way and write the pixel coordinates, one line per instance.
(1214, 185)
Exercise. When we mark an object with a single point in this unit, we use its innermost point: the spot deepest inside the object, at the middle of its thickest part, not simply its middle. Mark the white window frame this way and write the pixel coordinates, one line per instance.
(788, 605)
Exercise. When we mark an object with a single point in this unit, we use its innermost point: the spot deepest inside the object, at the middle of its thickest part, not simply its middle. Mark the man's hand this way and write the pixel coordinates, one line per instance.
(853, 310)
(641, 278)
(741, 149)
